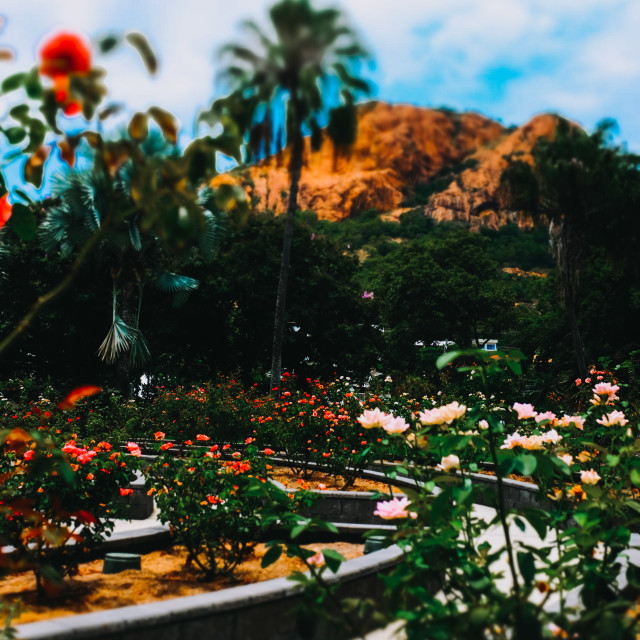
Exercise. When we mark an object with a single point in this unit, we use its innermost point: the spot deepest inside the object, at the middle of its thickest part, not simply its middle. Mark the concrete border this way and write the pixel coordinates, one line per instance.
(260, 611)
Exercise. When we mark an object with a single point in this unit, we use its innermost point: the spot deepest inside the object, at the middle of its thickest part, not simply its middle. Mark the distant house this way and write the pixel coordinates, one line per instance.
(487, 345)
(443, 344)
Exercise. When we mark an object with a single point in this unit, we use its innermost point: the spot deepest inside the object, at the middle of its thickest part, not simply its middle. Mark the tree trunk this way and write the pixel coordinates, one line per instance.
(569, 254)
(127, 313)
(295, 168)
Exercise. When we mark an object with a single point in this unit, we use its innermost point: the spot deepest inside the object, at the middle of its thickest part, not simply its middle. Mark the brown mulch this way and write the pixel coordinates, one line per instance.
(292, 480)
(163, 576)
(511, 476)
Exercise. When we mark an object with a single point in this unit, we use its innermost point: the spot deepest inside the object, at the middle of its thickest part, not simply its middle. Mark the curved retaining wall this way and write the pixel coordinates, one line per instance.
(260, 611)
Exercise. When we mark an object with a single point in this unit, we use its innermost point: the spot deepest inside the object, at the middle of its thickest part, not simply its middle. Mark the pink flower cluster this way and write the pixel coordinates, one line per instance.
(531, 442)
(449, 463)
(604, 393)
(394, 509)
(387, 421)
(613, 418)
(442, 415)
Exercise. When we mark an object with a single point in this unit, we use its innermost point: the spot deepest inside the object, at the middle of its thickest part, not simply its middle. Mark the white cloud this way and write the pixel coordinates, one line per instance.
(575, 56)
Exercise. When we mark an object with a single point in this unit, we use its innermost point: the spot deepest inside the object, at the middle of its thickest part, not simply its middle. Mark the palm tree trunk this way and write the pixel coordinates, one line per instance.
(295, 168)
(123, 365)
(569, 253)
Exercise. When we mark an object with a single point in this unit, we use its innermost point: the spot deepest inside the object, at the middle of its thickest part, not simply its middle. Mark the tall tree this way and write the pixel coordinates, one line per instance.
(307, 57)
(589, 193)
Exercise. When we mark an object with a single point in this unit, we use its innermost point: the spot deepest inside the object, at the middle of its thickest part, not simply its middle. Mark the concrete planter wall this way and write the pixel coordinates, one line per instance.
(261, 611)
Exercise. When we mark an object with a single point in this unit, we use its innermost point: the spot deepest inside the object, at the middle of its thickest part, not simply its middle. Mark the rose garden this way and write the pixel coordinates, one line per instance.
(437, 492)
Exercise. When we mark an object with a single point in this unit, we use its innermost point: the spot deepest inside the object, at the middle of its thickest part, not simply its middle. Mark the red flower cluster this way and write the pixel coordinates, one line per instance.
(5, 210)
(63, 55)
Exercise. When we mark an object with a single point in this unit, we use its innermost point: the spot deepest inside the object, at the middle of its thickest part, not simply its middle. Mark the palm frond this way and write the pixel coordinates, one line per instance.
(175, 283)
(212, 236)
(180, 299)
(134, 235)
(140, 353)
(119, 338)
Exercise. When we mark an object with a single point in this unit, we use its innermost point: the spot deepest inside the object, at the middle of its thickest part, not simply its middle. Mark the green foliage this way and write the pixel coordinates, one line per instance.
(57, 503)
(315, 423)
(436, 289)
(217, 508)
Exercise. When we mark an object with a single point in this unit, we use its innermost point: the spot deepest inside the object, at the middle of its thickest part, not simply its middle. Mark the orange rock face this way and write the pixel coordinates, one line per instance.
(398, 147)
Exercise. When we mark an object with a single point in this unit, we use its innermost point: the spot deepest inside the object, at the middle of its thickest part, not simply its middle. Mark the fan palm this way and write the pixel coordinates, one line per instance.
(307, 56)
(81, 206)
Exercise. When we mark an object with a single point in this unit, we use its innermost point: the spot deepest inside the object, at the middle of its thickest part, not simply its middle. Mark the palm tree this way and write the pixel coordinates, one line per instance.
(308, 55)
(82, 206)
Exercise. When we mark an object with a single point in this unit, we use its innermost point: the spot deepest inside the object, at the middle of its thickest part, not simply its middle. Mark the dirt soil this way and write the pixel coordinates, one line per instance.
(163, 576)
(511, 476)
(292, 480)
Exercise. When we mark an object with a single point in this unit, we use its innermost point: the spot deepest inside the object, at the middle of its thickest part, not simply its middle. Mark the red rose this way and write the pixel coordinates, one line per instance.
(5, 210)
(65, 53)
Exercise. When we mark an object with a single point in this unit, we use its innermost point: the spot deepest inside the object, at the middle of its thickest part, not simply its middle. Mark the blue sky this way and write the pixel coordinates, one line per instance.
(508, 59)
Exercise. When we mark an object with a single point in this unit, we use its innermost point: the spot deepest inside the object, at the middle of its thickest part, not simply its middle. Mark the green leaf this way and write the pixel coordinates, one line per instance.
(534, 518)
(12, 82)
(15, 135)
(141, 44)
(299, 528)
(20, 113)
(328, 526)
(506, 466)
(271, 556)
(514, 365)
(446, 358)
(23, 195)
(613, 461)
(632, 504)
(139, 127)
(32, 84)
(167, 122)
(635, 477)
(581, 517)
(527, 566)
(108, 43)
(333, 559)
(23, 221)
(526, 464)
(37, 132)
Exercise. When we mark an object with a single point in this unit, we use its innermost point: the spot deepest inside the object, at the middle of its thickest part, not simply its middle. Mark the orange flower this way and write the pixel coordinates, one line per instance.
(577, 491)
(126, 492)
(5, 210)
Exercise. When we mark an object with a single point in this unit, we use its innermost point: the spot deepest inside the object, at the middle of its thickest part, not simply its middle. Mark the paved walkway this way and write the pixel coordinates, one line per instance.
(495, 536)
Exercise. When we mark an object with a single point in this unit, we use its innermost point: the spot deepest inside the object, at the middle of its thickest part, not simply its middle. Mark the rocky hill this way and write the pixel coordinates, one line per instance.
(456, 159)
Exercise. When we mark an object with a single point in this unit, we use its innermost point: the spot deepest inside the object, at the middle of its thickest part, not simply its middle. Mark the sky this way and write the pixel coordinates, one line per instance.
(507, 59)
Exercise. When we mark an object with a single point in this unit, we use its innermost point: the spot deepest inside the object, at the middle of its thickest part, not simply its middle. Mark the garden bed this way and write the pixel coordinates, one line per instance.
(163, 576)
(257, 611)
